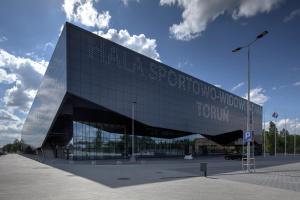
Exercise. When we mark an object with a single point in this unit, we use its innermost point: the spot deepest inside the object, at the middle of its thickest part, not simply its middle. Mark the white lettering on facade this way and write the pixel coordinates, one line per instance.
(212, 112)
(158, 72)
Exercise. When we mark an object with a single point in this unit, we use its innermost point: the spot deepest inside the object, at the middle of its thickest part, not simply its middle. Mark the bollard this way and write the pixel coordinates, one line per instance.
(203, 169)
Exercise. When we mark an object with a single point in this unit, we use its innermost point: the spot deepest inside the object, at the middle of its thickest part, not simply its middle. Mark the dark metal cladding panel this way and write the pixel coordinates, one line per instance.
(48, 99)
(113, 76)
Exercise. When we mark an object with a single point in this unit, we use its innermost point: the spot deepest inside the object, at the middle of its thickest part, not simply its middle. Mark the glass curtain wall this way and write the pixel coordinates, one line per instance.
(91, 142)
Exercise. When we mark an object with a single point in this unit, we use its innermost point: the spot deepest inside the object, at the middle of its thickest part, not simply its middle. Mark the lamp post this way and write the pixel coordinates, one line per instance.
(132, 159)
(275, 116)
(285, 136)
(295, 136)
(275, 151)
(248, 46)
(264, 132)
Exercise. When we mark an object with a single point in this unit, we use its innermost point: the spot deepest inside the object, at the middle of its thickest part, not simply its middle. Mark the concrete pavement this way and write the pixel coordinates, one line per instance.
(24, 178)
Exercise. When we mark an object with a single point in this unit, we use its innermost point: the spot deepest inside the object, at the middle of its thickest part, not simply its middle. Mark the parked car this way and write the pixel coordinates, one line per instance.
(234, 156)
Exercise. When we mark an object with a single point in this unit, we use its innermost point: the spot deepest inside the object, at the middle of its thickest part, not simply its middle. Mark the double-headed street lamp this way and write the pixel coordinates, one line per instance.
(248, 102)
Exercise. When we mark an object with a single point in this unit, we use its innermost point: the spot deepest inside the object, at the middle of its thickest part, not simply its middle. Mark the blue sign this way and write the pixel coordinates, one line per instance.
(248, 136)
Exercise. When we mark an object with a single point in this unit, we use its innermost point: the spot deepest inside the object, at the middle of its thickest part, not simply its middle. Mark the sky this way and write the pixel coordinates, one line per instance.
(193, 36)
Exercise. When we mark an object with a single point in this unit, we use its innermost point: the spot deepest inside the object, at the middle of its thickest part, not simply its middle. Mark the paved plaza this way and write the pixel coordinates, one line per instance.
(25, 178)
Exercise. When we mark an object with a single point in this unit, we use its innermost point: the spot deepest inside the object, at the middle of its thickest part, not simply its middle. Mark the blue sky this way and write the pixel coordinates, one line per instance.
(194, 36)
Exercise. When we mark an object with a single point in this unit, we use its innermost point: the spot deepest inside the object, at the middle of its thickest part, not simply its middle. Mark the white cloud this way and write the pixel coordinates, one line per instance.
(7, 116)
(19, 97)
(126, 2)
(250, 8)
(197, 14)
(280, 87)
(237, 86)
(3, 39)
(84, 12)
(184, 64)
(292, 15)
(7, 78)
(10, 127)
(257, 95)
(26, 74)
(217, 85)
(139, 43)
(297, 83)
(15, 63)
(49, 45)
(291, 124)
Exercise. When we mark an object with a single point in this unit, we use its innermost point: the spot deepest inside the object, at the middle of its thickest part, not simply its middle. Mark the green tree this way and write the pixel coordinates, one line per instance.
(281, 140)
(270, 136)
(17, 145)
(98, 139)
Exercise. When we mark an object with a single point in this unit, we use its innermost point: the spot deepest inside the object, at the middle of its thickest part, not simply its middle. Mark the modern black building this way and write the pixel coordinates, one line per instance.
(93, 86)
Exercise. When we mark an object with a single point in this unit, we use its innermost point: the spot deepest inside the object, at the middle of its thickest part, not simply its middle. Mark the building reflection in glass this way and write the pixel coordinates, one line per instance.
(91, 142)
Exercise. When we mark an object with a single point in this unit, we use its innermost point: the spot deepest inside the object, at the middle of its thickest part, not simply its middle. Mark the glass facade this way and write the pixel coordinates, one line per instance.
(91, 142)
(113, 76)
(89, 74)
(48, 98)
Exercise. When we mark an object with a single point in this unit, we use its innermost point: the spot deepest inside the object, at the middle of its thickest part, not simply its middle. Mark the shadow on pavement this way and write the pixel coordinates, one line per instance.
(121, 173)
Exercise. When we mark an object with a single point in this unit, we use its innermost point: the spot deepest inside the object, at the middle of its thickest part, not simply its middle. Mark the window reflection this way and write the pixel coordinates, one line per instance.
(91, 142)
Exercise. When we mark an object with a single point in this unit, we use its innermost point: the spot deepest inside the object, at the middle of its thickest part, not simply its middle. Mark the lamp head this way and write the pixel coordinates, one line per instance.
(262, 34)
(237, 49)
